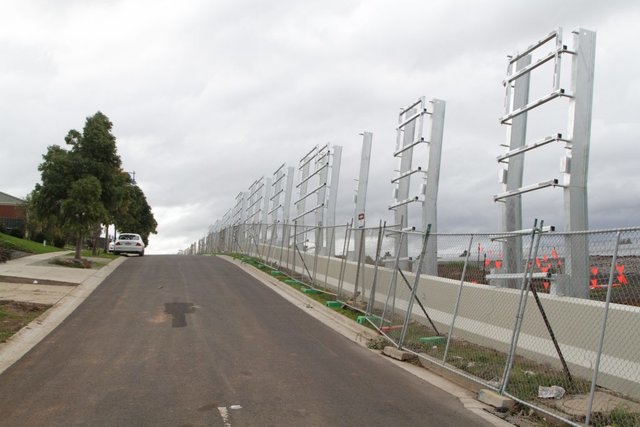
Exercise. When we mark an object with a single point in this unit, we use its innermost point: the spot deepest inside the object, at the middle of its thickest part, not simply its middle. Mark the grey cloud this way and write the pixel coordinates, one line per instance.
(208, 96)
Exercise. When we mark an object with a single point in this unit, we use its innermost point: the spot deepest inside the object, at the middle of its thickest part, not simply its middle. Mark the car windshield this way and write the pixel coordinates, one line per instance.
(128, 237)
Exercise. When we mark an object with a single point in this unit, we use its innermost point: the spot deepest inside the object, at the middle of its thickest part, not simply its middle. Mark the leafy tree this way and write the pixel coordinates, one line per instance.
(84, 187)
(45, 201)
(96, 154)
(68, 200)
(135, 214)
(82, 209)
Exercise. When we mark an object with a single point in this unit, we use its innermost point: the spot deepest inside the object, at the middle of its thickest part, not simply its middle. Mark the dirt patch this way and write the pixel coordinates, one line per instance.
(72, 262)
(16, 315)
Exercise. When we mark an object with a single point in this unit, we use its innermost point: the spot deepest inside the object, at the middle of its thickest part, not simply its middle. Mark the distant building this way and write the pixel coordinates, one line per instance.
(12, 211)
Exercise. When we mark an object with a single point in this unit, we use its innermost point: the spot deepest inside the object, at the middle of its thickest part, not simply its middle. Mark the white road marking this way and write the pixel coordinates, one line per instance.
(224, 413)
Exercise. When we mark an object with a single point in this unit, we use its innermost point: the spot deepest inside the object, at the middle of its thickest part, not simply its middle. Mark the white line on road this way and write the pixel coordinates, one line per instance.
(224, 413)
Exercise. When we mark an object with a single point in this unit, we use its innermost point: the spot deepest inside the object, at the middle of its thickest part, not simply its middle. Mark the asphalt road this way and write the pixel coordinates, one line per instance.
(195, 341)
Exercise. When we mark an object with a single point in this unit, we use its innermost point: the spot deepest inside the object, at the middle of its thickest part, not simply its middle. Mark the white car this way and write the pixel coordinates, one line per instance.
(129, 243)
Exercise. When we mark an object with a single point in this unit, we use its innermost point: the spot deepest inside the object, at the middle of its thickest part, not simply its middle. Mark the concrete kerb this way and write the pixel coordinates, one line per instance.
(361, 335)
(23, 341)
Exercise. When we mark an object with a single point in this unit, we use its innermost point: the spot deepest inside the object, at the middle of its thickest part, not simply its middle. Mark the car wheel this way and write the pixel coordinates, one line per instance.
(116, 253)
(142, 253)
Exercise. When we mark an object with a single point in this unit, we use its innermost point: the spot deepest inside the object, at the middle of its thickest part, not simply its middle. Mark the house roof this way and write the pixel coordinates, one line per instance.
(7, 199)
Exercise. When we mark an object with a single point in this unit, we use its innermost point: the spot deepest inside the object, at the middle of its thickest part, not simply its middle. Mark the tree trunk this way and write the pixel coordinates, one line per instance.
(78, 246)
(94, 240)
(107, 238)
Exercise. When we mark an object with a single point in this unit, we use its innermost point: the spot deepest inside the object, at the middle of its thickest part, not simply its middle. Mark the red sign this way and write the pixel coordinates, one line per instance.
(360, 216)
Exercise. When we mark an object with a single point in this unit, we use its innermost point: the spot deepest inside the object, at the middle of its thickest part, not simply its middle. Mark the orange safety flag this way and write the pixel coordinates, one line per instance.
(594, 284)
(622, 279)
(538, 262)
(545, 284)
(594, 271)
(487, 261)
(620, 268)
(498, 264)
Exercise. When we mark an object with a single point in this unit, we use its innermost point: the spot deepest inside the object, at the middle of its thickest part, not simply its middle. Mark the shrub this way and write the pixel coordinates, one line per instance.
(5, 254)
(39, 237)
(17, 232)
(59, 242)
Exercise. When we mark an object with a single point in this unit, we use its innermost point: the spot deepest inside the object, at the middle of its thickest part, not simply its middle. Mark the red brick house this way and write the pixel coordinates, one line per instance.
(12, 211)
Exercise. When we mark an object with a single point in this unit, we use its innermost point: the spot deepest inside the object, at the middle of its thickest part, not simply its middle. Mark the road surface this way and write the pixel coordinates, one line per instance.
(195, 341)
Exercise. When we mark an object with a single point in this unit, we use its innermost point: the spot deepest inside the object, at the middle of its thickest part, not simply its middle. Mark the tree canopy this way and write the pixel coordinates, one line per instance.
(135, 213)
(85, 186)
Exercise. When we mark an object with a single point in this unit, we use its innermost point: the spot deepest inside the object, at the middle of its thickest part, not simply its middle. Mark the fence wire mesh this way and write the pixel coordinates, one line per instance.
(550, 319)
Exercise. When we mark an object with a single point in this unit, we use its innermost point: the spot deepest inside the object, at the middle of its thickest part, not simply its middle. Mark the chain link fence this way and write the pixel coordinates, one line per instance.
(549, 319)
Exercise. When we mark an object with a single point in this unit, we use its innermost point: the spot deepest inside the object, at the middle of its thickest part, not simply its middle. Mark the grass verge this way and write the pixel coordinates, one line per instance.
(86, 253)
(24, 245)
(15, 315)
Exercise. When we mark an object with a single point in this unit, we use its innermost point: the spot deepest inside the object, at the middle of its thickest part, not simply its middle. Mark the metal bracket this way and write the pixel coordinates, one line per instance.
(404, 202)
(540, 101)
(407, 174)
(526, 189)
(408, 146)
(525, 148)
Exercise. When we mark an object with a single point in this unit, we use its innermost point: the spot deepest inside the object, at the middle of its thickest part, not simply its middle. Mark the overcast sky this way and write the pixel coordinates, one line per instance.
(208, 96)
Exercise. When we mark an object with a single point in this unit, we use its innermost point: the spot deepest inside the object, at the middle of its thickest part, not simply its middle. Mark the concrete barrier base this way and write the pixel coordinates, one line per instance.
(398, 354)
(494, 399)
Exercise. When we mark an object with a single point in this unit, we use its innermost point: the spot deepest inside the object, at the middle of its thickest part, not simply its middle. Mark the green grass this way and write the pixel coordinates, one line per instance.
(29, 246)
(24, 245)
(85, 253)
(618, 417)
(66, 260)
(14, 316)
